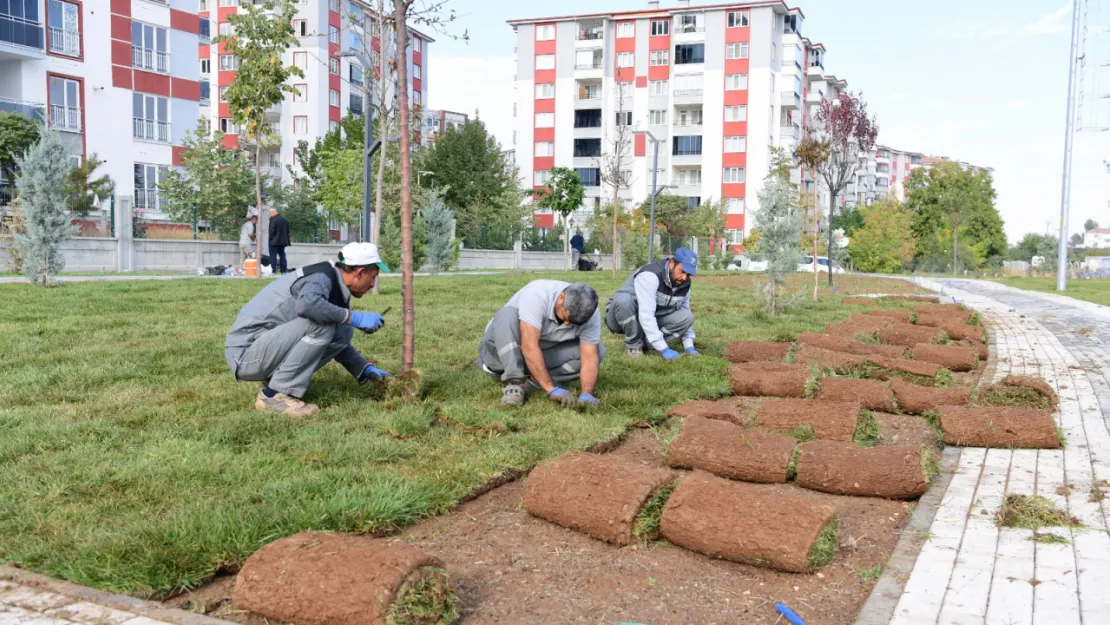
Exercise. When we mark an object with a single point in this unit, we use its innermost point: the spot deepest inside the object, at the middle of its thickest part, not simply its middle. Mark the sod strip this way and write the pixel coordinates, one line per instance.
(745, 523)
(916, 399)
(824, 548)
(871, 394)
(847, 469)
(957, 330)
(769, 379)
(316, 578)
(900, 315)
(999, 426)
(756, 351)
(951, 357)
(1035, 384)
(709, 409)
(908, 335)
(828, 360)
(730, 451)
(849, 345)
(830, 420)
(597, 495)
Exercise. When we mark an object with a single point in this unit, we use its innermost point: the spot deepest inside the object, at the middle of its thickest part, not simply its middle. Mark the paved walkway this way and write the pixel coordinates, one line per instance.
(971, 572)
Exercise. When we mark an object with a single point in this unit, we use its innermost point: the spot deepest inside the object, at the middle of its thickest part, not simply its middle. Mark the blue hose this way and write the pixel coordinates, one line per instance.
(789, 614)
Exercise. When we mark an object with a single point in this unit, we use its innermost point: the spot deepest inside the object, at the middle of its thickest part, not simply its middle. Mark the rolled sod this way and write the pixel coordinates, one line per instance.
(952, 357)
(916, 399)
(982, 348)
(870, 394)
(909, 335)
(756, 351)
(912, 367)
(316, 578)
(597, 495)
(731, 451)
(708, 409)
(859, 301)
(947, 310)
(998, 426)
(769, 379)
(1037, 384)
(936, 320)
(847, 469)
(748, 524)
(898, 314)
(957, 331)
(848, 345)
(927, 299)
(830, 420)
(827, 359)
(857, 324)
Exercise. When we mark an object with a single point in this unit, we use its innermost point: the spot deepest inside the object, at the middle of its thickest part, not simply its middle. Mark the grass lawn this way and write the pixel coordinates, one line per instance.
(132, 461)
(1097, 291)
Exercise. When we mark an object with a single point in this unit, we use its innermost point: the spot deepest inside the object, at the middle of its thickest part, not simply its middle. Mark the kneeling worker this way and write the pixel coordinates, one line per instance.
(551, 331)
(301, 322)
(653, 306)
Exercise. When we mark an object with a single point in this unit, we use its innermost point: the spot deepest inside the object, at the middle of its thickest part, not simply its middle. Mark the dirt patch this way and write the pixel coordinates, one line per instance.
(859, 301)
(849, 346)
(319, 578)
(900, 315)
(597, 495)
(825, 359)
(756, 351)
(952, 310)
(908, 335)
(847, 469)
(769, 379)
(912, 298)
(951, 357)
(730, 451)
(917, 399)
(900, 429)
(998, 426)
(724, 409)
(958, 331)
(1037, 384)
(870, 394)
(830, 420)
(911, 367)
(980, 347)
(740, 523)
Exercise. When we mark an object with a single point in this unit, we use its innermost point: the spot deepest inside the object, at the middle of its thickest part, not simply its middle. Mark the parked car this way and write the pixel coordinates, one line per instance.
(743, 263)
(823, 261)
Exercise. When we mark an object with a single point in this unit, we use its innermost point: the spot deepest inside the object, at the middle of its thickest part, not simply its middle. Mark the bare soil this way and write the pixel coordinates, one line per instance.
(871, 394)
(999, 426)
(913, 298)
(948, 310)
(937, 319)
(857, 324)
(897, 314)
(917, 399)
(831, 420)
(847, 469)
(952, 357)
(756, 351)
(860, 301)
(909, 335)
(769, 379)
(730, 451)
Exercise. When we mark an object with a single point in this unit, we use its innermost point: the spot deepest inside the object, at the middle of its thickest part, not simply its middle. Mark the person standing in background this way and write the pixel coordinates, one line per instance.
(246, 239)
(577, 245)
(279, 240)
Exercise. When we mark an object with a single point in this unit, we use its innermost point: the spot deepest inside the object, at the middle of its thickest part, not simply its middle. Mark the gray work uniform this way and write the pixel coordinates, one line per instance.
(246, 246)
(649, 309)
(290, 330)
(534, 304)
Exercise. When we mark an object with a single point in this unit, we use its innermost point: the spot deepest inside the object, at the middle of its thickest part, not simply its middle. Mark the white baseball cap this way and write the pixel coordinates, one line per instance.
(361, 254)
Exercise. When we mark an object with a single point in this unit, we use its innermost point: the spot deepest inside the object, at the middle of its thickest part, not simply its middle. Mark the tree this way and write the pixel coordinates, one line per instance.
(811, 154)
(849, 219)
(17, 134)
(851, 134)
(214, 181)
(883, 244)
(341, 187)
(1089, 225)
(1026, 248)
(261, 34)
(439, 222)
(309, 171)
(83, 189)
(43, 172)
(1076, 240)
(563, 194)
(615, 165)
(779, 222)
(948, 197)
(298, 206)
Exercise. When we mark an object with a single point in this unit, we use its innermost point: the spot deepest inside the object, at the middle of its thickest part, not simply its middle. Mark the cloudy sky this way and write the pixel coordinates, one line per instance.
(983, 81)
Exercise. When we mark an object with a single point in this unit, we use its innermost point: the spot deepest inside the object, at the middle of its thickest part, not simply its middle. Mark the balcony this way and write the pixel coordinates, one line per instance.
(150, 130)
(20, 39)
(791, 100)
(793, 133)
(591, 35)
(586, 66)
(66, 42)
(65, 118)
(816, 70)
(688, 96)
(274, 112)
(32, 110)
(150, 60)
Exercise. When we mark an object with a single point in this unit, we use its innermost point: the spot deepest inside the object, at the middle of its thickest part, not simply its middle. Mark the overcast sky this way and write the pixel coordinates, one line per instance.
(982, 81)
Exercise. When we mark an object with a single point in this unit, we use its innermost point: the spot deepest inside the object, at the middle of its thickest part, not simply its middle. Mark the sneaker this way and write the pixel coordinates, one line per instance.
(635, 352)
(286, 405)
(513, 394)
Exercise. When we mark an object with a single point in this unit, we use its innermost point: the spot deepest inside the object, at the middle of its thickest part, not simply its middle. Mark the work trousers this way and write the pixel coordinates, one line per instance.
(278, 260)
(501, 353)
(289, 354)
(622, 316)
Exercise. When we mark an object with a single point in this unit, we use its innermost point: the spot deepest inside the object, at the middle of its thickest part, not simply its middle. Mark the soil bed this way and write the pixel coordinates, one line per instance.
(871, 394)
(769, 379)
(999, 426)
(857, 324)
(951, 310)
(756, 351)
(827, 360)
(847, 469)
(936, 320)
(830, 420)
(952, 357)
(908, 335)
(849, 345)
(917, 399)
(897, 314)
(731, 451)
(911, 298)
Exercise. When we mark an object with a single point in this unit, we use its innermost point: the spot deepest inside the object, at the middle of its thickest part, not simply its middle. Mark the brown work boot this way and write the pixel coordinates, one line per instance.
(286, 405)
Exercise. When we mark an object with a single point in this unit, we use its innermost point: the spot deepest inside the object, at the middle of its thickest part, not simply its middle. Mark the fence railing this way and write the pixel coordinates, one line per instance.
(150, 130)
(65, 41)
(145, 58)
(65, 118)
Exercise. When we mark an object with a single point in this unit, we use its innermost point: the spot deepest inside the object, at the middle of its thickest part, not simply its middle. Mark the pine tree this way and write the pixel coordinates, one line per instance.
(438, 220)
(43, 172)
(779, 223)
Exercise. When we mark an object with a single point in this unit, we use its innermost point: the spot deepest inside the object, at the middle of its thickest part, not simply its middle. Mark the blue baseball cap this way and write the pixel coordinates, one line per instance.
(689, 260)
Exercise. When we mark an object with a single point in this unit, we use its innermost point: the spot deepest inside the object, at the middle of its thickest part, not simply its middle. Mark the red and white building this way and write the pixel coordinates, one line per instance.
(117, 78)
(886, 173)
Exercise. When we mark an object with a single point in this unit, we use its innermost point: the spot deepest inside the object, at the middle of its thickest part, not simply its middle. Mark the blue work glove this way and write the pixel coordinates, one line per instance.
(564, 397)
(368, 322)
(669, 354)
(373, 373)
(692, 352)
(587, 400)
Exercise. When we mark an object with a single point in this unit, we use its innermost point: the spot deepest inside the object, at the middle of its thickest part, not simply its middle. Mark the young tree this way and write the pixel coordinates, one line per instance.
(1089, 225)
(262, 33)
(17, 134)
(214, 181)
(439, 222)
(811, 154)
(563, 194)
(83, 188)
(1076, 240)
(43, 171)
(779, 222)
(948, 197)
(615, 164)
(309, 171)
(298, 206)
(851, 135)
(882, 244)
(341, 188)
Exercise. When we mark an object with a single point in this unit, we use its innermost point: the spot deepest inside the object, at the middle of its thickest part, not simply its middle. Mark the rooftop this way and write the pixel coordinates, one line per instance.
(778, 5)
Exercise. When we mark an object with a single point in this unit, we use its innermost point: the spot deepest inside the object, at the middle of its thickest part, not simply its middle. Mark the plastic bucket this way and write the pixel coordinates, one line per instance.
(250, 267)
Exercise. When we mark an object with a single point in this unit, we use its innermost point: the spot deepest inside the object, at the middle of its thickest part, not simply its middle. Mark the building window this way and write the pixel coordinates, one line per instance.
(687, 146)
(736, 113)
(736, 144)
(545, 120)
(204, 29)
(300, 60)
(545, 148)
(736, 82)
(65, 34)
(333, 126)
(150, 117)
(333, 97)
(625, 59)
(685, 54)
(659, 57)
(147, 177)
(301, 95)
(229, 62)
(205, 66)
(300, 27)
(300, 125)
(624, 91)
(545, 33)
(417, 100)
(588, 59)
(624, 118)
(626, 29)
(333, 34)
(657, 87)
(657, 117)
(65, 104)
(541, 177)
(545, 91)
(688, 176)
(737, 51)
(228, 126)
(734, 175)
(737, 19)
(587, 118)
(587, 148)
(150, 48)
(223, 93)
(417, 73)
(355, 104)
(660, 27)
(333, 66)
(586, 91)
(545, 61)
(735, 206)
(333, 5)
(205, 91)
(227, 29)
(229, 3)
(688, 117)
(590, 176)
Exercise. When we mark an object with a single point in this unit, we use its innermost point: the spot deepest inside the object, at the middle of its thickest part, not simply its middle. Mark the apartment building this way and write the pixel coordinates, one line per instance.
(332, 53)
(886, 173)
(437, 122)
(76, 65)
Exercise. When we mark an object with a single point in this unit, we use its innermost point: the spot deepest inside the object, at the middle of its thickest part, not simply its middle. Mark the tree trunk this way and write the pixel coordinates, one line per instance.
(816, 221)
(616, 213)
(263, 219)
(832, 211)
(955, 248)
(408, 303)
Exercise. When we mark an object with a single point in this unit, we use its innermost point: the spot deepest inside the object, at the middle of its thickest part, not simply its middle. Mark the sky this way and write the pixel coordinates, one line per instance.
(982, 81)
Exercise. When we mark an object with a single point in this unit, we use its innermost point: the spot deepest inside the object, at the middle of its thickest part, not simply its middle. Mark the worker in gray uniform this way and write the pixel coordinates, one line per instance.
(549, 333)
(301, 322)
(653, 306)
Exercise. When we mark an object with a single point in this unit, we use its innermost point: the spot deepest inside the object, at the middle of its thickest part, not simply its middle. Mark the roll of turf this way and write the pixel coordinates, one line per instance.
(769, 379)
(999, 426)
(952, 357)
(900, 472)
(871, 394)
(909, 335)
(756, 351)
(731, 451)
(831, 420)
(916, 399)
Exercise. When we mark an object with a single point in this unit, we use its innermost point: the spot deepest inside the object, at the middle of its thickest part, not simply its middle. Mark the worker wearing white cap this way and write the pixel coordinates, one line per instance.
(301, 322)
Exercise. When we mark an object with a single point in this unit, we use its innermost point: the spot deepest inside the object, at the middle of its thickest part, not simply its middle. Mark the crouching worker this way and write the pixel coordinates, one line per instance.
(549, 333)
(301, 322)
(653, 306)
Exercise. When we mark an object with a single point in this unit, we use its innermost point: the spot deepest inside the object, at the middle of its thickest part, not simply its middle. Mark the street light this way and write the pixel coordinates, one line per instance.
(369, 146)
(654, 189)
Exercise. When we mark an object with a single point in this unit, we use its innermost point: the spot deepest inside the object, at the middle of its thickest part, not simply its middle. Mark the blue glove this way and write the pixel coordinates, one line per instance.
(373, 373)
(563, 396)
(669, 354)
(693, 352)
(587, 400)
(368, 322)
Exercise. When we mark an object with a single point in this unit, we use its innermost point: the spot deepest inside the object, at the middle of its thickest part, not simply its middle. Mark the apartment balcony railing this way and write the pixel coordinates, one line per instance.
(596, 65)
(65, 41)
(688, 93)
(588, 94)
(688, 123)
(23, 33)
(589, 35)
(791, 132)
(152, 60)
(150, 130)
(149, 204)
(65, 118)
(32, 110)
(791, 100)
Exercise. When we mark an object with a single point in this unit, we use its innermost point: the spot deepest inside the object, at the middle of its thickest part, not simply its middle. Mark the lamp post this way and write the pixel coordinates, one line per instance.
(1069, 137)
(369, 146)
(654, 189)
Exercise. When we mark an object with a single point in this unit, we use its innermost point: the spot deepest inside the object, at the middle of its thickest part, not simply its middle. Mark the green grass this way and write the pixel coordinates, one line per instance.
(930, 464)
(133, 462)
(824, 548)
(1033, 512)
(647, 521)
(1003, 395)
(804, 433)
(1049, 537)
(867, 429)
(1097, 291)
(792, 468)
(872, 574)
(425, 598)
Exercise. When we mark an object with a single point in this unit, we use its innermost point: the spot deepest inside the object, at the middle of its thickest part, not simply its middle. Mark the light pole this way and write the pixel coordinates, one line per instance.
(1069, 131)
(369, 145)
(654, 189)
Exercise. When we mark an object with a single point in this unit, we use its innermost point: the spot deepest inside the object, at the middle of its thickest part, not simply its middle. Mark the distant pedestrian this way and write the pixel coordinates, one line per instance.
(577, 246)
(246, 239)
(279, 240)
